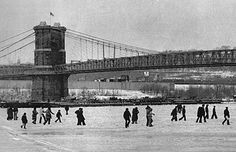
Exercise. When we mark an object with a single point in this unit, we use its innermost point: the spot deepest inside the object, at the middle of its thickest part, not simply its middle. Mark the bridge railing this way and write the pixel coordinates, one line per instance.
(16, 71)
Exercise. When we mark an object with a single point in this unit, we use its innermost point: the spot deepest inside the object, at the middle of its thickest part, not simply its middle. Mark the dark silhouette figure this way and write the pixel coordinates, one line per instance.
(135, 115)
(214, 113)
(150, 114)
(199, 118)
(24, 121)
(148, 109)
(80, 116)
(66, 109)
(41, 115)
(226, 116)
(15, 112)
(9, 113)
(48, 116)
(179, 108)
(201, 114)
(127, 116)
(174, 114)
(34, 115)
(183, 114)
(58, 115)
(207, 112)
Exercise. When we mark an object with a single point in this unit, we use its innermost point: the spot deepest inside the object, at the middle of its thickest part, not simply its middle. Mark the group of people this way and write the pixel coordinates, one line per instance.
(134, 116)
(202, 114)
(135, 111)
(45, 115)
(12, 113)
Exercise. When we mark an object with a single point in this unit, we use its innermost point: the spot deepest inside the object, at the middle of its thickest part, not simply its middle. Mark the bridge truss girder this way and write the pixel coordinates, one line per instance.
(165, 60)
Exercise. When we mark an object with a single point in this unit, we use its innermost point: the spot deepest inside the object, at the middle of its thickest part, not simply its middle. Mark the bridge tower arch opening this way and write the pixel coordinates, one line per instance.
(49, 52)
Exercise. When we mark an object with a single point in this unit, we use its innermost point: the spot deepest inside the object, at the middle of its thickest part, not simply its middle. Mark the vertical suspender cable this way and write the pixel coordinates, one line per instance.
(97, 51)
(92, 49)
(86, 51)
(114, 54)
(103, 51)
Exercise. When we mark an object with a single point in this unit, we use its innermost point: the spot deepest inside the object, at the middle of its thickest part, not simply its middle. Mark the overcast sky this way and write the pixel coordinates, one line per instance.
(153, 24)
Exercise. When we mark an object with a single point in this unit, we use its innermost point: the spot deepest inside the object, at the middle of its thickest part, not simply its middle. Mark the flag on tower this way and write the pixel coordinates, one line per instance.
(51, 14)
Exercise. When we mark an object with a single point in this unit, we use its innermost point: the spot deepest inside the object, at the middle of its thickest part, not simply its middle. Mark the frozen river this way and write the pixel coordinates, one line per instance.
(105, 132)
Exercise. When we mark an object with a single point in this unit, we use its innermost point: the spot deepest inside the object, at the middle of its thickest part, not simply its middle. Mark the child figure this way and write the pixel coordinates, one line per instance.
(24, 121)
(58, 115)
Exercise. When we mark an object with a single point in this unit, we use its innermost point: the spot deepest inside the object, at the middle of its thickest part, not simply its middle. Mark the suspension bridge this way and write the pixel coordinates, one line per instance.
(50, 71)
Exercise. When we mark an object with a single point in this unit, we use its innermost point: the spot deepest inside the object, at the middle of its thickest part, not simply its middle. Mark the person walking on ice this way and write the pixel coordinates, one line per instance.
(207, 112)
(24, 121)
(80, 116)
(150, 114)
(174, 114)
(34, 115)
(214, 113)
(226, 116)
(135, 115)
(183, 114)
(201, 114)
(127, 116)
(58, 115)
(66, 109)
(41, 115)
(48, 115)
(15, 111)
(148, 109)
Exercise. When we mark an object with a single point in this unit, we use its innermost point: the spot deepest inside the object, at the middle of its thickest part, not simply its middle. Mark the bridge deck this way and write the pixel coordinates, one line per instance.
(167, 60)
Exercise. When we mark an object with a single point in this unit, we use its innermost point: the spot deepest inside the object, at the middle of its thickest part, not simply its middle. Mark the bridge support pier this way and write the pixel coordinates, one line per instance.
(51, 87)
(49, 52)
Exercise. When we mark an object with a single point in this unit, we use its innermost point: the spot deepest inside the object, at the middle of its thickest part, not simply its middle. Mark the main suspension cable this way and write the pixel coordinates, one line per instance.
(115, 43)
(9, 45)
(17, 49)
(15, 36)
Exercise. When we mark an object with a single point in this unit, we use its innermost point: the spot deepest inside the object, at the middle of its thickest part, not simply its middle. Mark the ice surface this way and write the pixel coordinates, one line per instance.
(105, 132)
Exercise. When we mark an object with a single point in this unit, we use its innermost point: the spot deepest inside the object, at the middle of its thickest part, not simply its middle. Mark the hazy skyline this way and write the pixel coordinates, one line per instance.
(153, 24)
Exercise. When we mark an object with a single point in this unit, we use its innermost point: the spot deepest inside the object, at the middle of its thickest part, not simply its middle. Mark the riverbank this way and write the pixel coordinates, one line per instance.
(77, 103)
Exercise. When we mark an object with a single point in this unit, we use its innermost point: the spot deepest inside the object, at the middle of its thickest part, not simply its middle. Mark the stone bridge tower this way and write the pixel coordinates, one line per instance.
(49, 51)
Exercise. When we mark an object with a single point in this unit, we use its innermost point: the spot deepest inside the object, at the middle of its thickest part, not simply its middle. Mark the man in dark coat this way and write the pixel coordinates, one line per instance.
(34, 115)
(9, 113)
(127, 116)
(148, 110)
(58, 115)
(67, 109)
(183, 114)
(226, 116)
(207, 112)
(135, 115)
(174, 114)
(199, 118)
(80, 116)
(214, 113)
(24, 121)
(201, 114)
